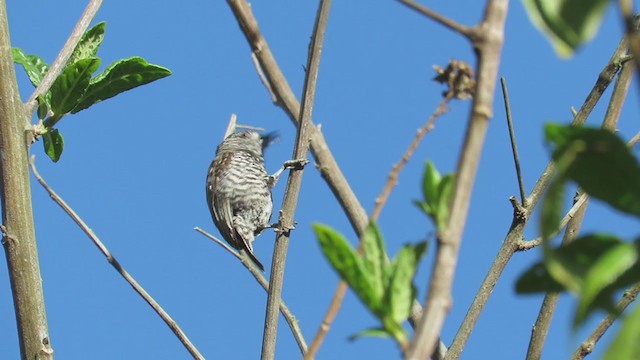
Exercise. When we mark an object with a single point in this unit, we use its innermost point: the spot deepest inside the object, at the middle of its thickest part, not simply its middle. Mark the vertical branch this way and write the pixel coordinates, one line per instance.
(488, 45)
(19, 238)
(293, 184)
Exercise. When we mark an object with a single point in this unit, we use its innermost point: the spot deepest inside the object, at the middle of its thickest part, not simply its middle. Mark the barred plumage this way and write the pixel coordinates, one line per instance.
(239, 190)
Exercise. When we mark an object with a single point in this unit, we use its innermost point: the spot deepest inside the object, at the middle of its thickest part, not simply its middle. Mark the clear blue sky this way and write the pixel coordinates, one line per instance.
(134, 168)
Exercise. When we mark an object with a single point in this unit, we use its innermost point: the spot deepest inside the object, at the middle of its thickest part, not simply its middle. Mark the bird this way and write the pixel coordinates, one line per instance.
(239, 188)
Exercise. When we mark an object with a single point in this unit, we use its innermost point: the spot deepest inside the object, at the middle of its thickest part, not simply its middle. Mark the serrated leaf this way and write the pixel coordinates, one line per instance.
(346, 262)
(600, 162)
(626, 344)
(374, 256)
(70, 86)
(400, 291)
(374, 332)
(89, 43)
(53, 144)
(445, 193)
(430, 182)
(120, 76)
(551, 209)
(609, 266)
(33, 65)
(567, 23)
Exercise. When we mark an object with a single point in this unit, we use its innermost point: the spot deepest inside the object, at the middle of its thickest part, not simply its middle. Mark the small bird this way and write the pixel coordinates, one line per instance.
(239, 189)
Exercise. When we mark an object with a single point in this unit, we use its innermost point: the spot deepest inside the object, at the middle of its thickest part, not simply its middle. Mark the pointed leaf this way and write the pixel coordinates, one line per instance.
(609, 266)
(401, 292)
(53, 144)
(445, 193)
(119, 77)
(626, 344)
(567, 23)
(70, 86)
(430, 182)
(426, 208)
(346, 262)
(375, 256)
(33, 65)
(374, 332)
(42, 107)
(89, 43)
(600, 162)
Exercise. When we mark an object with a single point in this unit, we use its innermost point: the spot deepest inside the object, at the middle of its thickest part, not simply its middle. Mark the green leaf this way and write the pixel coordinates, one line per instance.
(551, 209)
(537, 280)
(571, 263)
(43, 108)
(33, 65)
(426, 208)
(70, 86)
(346, 262)
(53, 144)
(119, 77)
(401, 292)
(89, 43)
(567, 23)
(609, 266)
(374, 332)
(600, 162)
(375, 257)
(626, 344)
(430, 182)
(445, 193)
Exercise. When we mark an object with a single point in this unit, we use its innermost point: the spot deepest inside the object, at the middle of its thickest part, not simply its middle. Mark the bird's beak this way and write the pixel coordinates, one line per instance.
(269, 138)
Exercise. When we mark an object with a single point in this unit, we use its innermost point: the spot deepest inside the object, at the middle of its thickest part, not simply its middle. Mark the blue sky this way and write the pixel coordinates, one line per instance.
(134, 168)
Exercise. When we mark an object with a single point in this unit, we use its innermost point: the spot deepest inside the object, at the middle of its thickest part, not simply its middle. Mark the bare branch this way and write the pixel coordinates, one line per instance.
(116, 265)
(440, 19)
(61, 60)
(392, 178)
(259, 276)
(589, 344)
(489, 35)
(294, 182)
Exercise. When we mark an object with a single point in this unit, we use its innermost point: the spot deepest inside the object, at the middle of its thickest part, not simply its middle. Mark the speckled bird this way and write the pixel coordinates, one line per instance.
(239, 190)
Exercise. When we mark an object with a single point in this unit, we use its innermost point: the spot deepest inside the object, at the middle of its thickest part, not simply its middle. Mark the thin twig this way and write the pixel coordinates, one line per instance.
(487, 40)
(515, 234)
(512, 137)
(631, 26)
(259, 276)
(440, 19)
(116, 265)
(587, 346)
(524, 245)
(294, 182)
(392, 178)
(263, 78)
(61, 60)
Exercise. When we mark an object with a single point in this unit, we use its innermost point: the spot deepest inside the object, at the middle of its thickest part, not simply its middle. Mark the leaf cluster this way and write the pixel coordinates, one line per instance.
(595, 267)
(76, 88)
(385, 287)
